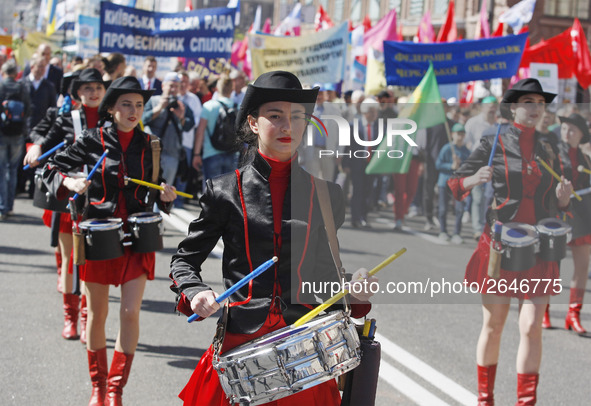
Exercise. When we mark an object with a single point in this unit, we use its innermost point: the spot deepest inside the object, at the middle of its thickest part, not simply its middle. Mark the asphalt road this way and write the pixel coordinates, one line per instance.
(428, 344)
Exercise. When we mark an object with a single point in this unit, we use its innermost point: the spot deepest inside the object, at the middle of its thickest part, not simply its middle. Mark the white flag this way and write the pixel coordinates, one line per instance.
(519, 15)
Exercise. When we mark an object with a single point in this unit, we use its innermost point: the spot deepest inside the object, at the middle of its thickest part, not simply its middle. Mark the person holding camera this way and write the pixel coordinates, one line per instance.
(167, 118)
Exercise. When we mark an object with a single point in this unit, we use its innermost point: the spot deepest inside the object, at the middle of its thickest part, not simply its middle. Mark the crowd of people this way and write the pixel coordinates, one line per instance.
(100, 106)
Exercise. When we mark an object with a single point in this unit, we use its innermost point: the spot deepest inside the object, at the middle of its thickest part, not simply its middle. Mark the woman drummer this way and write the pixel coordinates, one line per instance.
(574, 132)
(88, 89)
(524, 192)
(129, 155)
(257, 210)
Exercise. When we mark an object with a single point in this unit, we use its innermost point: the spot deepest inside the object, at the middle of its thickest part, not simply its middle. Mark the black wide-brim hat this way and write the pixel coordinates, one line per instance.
(121, 86)
(526, 86)
(521, 88)
(578, 121)
(89, 75)
(275, 86)
(67, 80)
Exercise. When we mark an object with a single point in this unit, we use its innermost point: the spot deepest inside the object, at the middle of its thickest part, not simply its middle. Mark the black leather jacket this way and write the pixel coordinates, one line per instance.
(222, 216)
(507, 179)
(104, 189)
(61, 130)
(582, 179)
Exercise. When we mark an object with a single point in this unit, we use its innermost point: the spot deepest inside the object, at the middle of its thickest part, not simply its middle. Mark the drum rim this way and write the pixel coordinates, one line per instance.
(111, 223)
(564, 230)
(511, 242)
(141, 217)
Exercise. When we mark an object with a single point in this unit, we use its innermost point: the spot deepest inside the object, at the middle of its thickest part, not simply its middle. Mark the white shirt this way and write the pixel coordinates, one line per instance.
(35, 83)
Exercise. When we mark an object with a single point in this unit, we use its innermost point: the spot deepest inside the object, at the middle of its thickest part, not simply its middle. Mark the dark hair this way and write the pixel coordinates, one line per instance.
(112, 61)
(247, 137)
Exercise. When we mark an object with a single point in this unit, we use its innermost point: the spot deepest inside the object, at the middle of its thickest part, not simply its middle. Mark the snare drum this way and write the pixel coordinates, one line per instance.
(289, 360)
(102, 238)
(146, 232)
(520, 244)
(554, 235)
(45, 200)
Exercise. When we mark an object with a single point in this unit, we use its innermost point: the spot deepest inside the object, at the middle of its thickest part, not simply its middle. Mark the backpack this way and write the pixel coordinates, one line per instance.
(12, 112)
(224, 136)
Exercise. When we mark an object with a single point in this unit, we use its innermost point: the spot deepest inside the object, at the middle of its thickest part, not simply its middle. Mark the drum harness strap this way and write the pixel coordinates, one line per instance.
(331, 232)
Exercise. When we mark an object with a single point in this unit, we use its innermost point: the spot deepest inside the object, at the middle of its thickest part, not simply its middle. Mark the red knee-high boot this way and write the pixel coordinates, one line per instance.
(71, 303)
(486, 385)
(526, 389)
(118, 374)
(574, 309)
(97, 367)
(546, 321)
(83, 317)
(58, 262)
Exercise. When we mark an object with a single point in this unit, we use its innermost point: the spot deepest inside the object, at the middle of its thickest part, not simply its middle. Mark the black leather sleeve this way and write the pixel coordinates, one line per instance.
(204, 233)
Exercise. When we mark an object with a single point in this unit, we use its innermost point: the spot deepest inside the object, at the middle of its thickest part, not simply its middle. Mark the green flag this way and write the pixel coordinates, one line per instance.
(424, 107)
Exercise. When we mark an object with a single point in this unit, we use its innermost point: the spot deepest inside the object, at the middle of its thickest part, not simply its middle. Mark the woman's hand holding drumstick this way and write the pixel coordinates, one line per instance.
(482, 176)
(362, 278)
(168, 193)
(76, 185)
(204, 303)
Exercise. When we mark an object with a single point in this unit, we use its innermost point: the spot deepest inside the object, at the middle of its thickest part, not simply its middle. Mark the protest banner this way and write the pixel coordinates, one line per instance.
(318, 57)
(454, 62)
(206, 67)
(207, 33)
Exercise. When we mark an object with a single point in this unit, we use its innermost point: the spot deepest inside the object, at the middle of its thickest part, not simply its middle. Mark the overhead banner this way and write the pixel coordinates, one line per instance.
(318, 57)
(454, 62)
(207, 33)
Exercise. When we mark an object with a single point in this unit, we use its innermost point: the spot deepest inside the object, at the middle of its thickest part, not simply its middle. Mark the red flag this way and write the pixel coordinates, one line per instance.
(499, 31)
(366, 24)
(350, 25)
(384, 30)
(321, 20)
(448, 32)
(188, 5)
(556, 50)
(582, 66)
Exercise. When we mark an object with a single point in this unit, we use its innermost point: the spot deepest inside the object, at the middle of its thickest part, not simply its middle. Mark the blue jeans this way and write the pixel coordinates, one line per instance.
(11, 149)
(444, 197)
(218, 165)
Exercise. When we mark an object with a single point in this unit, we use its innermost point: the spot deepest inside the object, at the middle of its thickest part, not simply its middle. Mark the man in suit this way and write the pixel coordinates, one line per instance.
(42, 94)
(149, 81)
(41, 91)
(356, 160)
(52, 73)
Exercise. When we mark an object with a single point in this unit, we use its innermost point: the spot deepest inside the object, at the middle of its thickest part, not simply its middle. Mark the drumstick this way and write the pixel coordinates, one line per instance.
(45, 155)
(494, 147)
(549, 169)
(581, 168)
(316, 311)
(221, 298)
(100, 161)
(155, 186)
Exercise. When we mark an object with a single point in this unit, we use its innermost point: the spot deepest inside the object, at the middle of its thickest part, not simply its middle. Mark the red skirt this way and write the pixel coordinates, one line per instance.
(204, 386)
(541, 280)
(65, 221)
(120, 270)
(584, 240)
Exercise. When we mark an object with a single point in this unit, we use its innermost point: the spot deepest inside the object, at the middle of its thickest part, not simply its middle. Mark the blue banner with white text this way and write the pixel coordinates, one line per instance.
(454, 62)
(206, 33)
